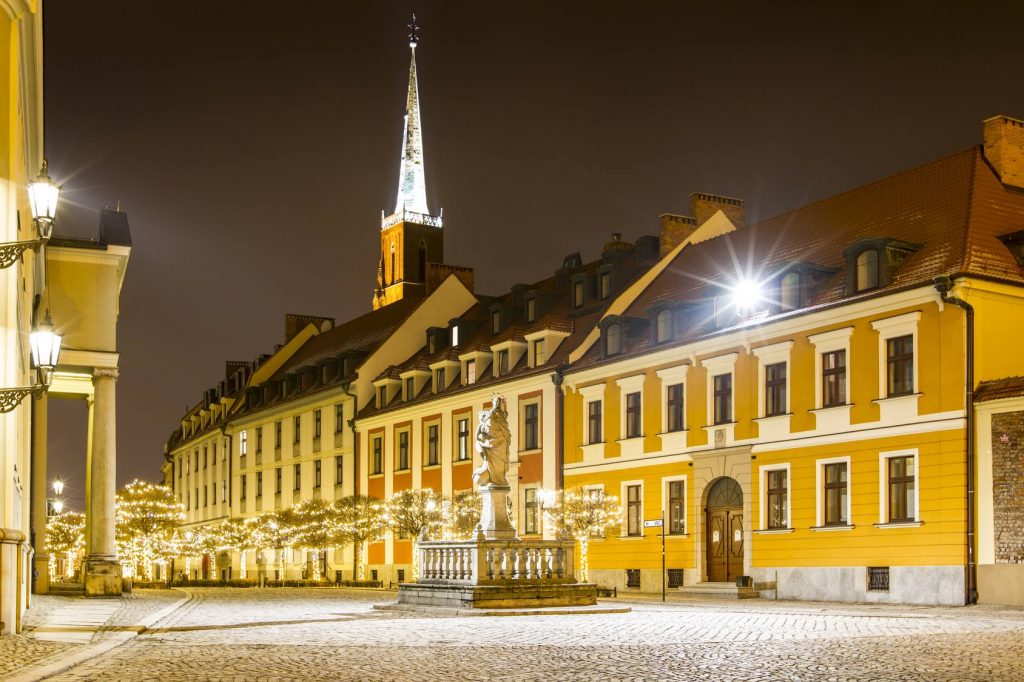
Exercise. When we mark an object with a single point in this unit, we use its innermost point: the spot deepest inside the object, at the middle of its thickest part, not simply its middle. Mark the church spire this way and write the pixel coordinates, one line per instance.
(412, 185)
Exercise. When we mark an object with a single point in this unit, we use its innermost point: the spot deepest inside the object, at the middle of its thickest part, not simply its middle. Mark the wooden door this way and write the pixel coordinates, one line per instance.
(724, 543)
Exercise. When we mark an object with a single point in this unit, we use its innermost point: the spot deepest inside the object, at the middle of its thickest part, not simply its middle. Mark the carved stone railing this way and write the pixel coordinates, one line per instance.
(497, 562)
(405, 216)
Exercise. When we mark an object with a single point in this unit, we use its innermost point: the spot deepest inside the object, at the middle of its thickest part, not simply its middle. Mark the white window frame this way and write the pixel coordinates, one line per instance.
(763, 495)
(243, 443)
(891, 328)
(819, 492)
(624, 503)
(633, 384)
(883, 488)
(827, 342)
(591, 394)
(772, 355)
(670, 377)
(665, 480)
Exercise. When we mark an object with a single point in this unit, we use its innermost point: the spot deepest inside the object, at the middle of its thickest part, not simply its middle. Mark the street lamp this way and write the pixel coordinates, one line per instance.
(58, 506)
(43, 193)
(45, 345)
(58, 487)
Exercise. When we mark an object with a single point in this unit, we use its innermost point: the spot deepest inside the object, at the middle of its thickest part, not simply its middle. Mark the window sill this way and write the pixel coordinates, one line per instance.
(831, 407)
(428, 467)
(629, 439)
(900, 524)
(773, 416)
(669, 433)
(836, 527)
(375, 475)
(530, 451)
(403, 470)
(631, 537)
(720, 425)
(774, 531)
(902, 396)
(462, 461)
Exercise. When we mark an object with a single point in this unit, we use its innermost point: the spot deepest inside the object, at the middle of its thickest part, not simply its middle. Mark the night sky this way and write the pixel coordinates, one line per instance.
(253, 146)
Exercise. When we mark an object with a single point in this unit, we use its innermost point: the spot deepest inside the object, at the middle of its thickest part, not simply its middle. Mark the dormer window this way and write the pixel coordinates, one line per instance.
(439, 382)
(455, 335)
(789, 291)
(867, 270)
(382, 396)
(410, 388)
(431, 343)
(1015, 243)
(663, 326)
(604, 285)
(531, 309)
(503, 362)
(577, 293)
(471, 371)
(613, 339)
(495, 321)
(537, 351)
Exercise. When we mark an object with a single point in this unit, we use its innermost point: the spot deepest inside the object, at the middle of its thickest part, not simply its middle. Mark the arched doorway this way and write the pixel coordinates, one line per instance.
(724, 531)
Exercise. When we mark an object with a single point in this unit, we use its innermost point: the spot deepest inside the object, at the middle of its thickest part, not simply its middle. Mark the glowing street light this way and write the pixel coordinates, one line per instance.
(43, 193)
(45, 346)
(746, 294)
(58, 487)
(58, 506)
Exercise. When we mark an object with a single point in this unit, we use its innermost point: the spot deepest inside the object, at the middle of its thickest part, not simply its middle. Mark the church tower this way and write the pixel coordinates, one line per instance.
(411, 237)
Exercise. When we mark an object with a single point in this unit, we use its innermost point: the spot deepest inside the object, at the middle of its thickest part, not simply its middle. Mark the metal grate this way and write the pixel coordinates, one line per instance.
(675, 577)
(632, 577)
(401, 575)
(878, 579)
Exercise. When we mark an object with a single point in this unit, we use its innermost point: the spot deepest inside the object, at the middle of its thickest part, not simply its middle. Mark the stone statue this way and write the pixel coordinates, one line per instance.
(492, 442)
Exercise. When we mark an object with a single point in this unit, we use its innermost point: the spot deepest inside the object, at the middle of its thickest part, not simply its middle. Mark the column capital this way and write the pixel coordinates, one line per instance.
(104, 373)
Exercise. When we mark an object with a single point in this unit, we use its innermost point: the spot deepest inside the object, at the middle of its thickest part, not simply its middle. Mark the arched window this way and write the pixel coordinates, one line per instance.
(867, 270)
(613, 339)
(392, 273)
(664, 326)
(422, 275)
(789, 291)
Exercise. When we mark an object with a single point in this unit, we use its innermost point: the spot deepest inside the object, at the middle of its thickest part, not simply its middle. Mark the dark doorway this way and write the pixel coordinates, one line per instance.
(724, 531)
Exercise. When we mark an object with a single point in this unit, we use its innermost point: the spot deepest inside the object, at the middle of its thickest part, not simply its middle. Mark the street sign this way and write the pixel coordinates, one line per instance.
(656, 523)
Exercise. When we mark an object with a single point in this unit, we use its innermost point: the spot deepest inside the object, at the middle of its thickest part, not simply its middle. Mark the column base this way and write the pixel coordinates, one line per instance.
(42, 578)
(102, 577)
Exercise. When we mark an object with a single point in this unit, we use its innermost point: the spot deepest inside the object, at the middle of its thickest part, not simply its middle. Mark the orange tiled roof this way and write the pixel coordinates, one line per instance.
(996, 389)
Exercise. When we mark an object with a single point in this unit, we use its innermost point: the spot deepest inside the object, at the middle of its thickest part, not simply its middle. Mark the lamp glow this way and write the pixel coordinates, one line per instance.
(746, 294)
(58, 506)
(45, 344)
(43, 193)
(58, 487)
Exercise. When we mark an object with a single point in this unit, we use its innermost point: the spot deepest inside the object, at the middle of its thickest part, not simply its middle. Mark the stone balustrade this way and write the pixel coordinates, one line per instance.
(497, 562)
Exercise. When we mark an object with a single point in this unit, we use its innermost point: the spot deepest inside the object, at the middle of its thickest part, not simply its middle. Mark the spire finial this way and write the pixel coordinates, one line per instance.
(414, 37)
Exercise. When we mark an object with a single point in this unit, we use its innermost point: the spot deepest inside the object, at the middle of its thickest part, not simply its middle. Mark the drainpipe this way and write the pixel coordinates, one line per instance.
(943, 284)
(355, 471)
(556, 379)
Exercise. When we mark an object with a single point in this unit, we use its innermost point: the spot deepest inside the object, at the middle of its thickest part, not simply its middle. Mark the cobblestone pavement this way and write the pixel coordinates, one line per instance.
(228, 634)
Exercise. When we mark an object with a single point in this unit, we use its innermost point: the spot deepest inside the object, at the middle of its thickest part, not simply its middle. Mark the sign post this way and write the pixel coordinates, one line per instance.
(659, 523)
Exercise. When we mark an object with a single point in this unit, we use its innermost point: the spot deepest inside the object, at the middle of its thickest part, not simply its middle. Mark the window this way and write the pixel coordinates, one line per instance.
(339, 470)
(259, 439)
(317, 423)
(531, 512)
(495, 321)
(243, 443)
(502, 362)
(833, 378)
(902, 497)
(440, 380)
(789, 291)
(197, 497)
(403, 451)
(197, 469)
(531, 441)
(634, 514)
(900, 365)
(206, 459)
(179, 466)
(836, 492)
(298, 428)
(605, 285)
(214, 453)
(277, 481)
(723, 398)
(531, 309)
(432, 450)
(632, 577)
(594, 422)
(297, 476)
(277, 434)
(382, 396)
(663, 326)
(259, 484)
(778, 498)
(241, 487)
(339, 418)
(775, 389)
(675, 577)
(633, 415)
(613, 339)
(378, 456)
(577, 294)
(410, 384)
(470, 371)
(867, 270)
(317, 472)
(455, 335)
(462, 451)
(538, 352)
(674, 396)
(676, 507)
(206, 500)
(224, 490)
(878, 578)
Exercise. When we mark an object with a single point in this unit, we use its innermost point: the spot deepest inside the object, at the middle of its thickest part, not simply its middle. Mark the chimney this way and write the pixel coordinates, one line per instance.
(293, 324)
(703, 206)
(1004, 148)
(674, 229)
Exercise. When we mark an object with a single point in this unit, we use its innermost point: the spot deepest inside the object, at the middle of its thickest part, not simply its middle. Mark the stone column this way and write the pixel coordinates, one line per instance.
(41, 584)
(102, 569)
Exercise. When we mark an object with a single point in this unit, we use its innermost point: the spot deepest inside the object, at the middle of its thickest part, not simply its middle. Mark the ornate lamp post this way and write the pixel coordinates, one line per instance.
(42, 194)
(45, 344)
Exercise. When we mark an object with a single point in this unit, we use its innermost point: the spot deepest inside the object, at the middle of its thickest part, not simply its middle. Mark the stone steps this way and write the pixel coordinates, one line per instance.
(719, 591)
(67, 589)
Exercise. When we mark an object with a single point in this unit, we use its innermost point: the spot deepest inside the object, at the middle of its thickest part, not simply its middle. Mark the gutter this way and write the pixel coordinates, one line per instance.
(943, 284)
(556, 379)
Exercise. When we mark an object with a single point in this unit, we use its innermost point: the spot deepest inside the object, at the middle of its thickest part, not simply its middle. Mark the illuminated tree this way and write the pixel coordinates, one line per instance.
(194, 542)
(582, 514)
(65, 534)
(462, 515)
(240, 535)
(316, 529)
(360, 522)
(145, 515)
(415, 514)
(277, 531)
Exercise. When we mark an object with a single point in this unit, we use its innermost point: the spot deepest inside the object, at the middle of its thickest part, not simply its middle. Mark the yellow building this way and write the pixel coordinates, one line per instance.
(790, 395)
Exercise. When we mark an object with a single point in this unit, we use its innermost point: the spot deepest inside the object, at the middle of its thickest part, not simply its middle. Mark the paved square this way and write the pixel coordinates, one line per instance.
(329, 634)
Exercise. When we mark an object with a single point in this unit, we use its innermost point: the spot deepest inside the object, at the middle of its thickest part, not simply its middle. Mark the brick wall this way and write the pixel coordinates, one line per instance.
(1008, 486)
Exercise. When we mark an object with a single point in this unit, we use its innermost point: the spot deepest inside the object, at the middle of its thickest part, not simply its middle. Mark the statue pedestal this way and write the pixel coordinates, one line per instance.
(102, 576)
(494, 522)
